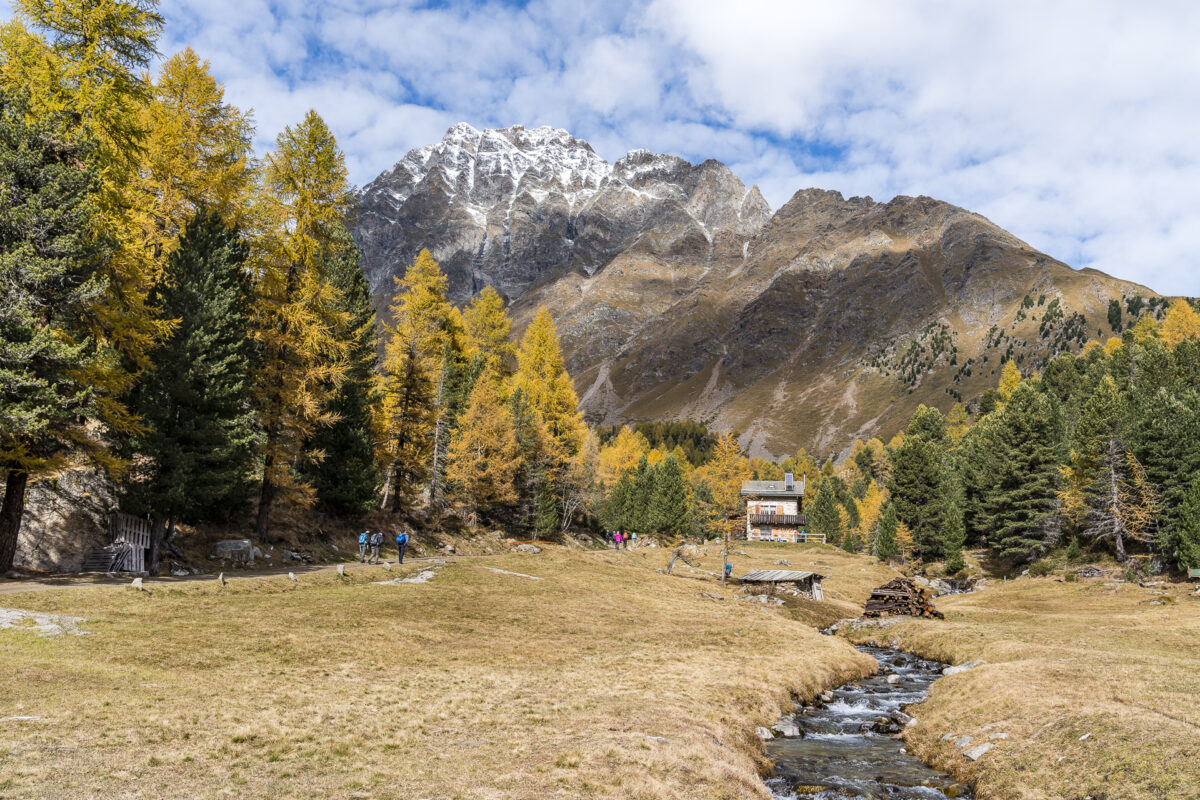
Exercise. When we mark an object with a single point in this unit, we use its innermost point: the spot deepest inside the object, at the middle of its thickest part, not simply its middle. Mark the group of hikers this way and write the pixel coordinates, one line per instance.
(621, 539)
(374, 542)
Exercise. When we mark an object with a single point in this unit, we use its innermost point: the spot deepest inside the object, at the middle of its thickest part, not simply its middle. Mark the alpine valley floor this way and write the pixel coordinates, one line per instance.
(572, 674)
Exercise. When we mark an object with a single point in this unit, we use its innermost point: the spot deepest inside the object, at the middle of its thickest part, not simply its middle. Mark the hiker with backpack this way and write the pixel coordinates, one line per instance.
(363, 539)
(401, 544)
(376, 543)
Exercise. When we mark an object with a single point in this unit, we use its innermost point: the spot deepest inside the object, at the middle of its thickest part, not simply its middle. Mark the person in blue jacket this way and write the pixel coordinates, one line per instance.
(401, 544)
(363, 539)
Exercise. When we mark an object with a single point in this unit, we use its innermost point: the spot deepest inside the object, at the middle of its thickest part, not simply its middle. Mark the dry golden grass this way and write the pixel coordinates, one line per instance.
(1116, 663)
(606, 680)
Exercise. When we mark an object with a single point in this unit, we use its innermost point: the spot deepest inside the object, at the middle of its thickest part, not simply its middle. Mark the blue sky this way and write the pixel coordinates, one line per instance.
(1076, 125)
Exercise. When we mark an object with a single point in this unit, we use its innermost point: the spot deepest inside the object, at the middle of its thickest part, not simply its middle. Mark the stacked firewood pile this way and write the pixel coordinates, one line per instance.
(900, 596)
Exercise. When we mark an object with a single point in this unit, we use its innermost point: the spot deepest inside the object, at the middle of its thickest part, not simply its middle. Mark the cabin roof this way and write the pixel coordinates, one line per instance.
(771, 489)
(779, 576)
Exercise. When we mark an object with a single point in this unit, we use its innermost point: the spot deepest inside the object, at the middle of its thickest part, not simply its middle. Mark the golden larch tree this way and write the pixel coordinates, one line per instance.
(1180, 323)
(487, 331)
(297, 310)
(197, 151)
(484, 457)
(425, 326)
(620, 456)
(724, 474)
(542, 378)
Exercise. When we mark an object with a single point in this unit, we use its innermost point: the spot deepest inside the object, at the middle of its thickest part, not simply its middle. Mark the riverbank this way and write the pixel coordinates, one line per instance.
(1094, 686)
(562, 674)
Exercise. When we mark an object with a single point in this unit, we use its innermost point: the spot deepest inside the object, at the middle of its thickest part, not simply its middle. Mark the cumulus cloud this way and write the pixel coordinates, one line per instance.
(1071, 124)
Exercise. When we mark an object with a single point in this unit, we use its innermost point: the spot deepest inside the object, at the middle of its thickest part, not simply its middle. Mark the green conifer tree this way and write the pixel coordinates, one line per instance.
(640, 516)
(1023, 472)
(194, 454)
(52, 273)
(545, 518)
(1186, 542)
(823, 515)
(885, 539)
(920, 484)
(671, 509)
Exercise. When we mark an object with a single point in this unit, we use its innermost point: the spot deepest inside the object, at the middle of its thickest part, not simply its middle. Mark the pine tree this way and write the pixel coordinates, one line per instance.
(410, 415)
(1022, 501)
(347, 477)
(886, 546)
(82, 63)
(617, 504)
(823, 514)
(640, 516)
(194, 454)
(671, 507)
(545, 517)
(298, 310)
(1186, 550)
(535, 449)
(52, 271)
(920, 484)
(484, 455)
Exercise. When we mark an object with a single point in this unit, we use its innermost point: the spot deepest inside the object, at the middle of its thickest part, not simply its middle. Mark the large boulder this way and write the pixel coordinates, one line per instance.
(235, 550)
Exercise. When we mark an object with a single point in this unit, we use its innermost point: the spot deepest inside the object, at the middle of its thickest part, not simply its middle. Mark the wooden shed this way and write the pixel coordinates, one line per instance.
(807, 582)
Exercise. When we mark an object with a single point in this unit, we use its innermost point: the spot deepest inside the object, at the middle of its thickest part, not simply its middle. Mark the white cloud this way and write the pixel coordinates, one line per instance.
(1072, 124)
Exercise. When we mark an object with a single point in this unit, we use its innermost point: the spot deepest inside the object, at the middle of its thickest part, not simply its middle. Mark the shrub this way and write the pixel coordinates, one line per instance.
(1040, 569)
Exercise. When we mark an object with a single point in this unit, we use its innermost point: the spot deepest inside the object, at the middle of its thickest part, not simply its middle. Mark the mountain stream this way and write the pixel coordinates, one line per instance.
(847, 746)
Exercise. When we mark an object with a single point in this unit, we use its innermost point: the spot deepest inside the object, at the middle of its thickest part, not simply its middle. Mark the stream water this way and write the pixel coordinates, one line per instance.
(848, 747)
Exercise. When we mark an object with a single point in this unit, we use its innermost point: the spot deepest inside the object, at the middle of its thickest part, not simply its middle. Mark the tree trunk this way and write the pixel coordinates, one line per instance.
(160, 534)
(10, 516)
(725, 555)
(265, 498)
(439, 432)
(387, 488)
(1115, 500)
(397, 495)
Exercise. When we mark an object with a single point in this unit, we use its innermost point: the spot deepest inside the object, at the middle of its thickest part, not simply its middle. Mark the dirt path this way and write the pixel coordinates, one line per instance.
(68, 581)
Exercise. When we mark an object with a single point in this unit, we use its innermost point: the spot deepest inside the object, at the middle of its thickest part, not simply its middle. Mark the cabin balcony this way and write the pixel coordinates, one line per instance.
(778, 520)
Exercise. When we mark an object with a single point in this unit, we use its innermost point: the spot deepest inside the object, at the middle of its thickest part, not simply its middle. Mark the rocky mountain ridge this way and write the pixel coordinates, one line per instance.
(678, 293)
(513, 207)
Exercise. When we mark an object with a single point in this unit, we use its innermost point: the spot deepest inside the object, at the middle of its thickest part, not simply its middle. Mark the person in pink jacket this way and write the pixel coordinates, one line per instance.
(617, 538)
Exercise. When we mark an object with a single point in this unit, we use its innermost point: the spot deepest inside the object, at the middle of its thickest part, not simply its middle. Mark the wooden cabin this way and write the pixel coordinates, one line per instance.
(775, 511)
(808, 583)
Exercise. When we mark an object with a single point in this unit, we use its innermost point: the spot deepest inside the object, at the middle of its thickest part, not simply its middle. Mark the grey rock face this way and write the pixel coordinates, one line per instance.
(513, 207)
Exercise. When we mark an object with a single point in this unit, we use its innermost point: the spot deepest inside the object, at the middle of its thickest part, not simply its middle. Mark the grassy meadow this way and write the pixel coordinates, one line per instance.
(604, 679)
(1097, 685)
